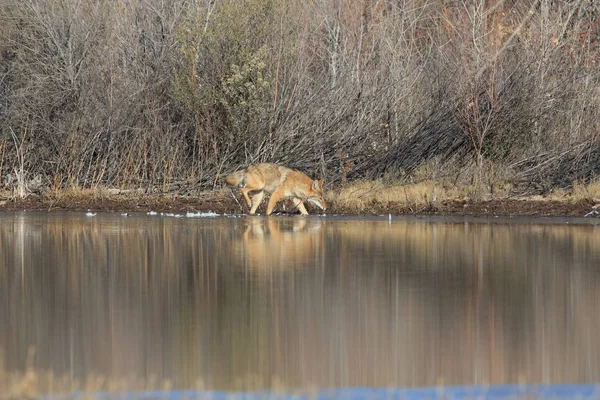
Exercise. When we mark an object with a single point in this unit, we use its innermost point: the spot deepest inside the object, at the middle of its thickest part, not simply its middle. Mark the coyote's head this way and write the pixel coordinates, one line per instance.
(315, 195)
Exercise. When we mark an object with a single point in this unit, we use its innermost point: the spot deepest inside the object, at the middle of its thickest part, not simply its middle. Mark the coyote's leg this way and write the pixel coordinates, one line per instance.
(251, 184)
(256, 199)
(245, 193)
(275, 197)
(300, 205)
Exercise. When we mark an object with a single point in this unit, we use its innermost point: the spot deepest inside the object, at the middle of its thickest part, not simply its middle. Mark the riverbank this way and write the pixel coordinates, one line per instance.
(227, 201)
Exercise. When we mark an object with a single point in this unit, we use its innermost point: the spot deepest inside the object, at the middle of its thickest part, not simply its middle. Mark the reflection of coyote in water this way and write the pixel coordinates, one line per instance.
(268, 244)
(280, 182)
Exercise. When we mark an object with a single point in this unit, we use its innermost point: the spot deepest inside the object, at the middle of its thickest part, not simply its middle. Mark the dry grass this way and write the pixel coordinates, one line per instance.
(414, 195)
(358, 195)
(76, 193)
(582, 191)
(579, 192)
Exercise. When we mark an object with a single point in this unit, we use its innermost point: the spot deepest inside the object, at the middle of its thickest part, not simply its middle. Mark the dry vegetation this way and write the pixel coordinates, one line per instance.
(428, 195)
(28, 384)
(487, 96)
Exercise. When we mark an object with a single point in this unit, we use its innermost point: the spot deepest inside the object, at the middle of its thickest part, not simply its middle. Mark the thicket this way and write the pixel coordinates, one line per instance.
(148, 93)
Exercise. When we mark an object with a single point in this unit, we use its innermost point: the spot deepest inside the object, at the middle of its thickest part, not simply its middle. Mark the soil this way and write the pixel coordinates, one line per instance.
(226, 202)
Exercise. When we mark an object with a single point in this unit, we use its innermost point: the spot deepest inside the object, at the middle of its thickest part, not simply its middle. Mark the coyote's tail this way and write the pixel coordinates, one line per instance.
(236, 178)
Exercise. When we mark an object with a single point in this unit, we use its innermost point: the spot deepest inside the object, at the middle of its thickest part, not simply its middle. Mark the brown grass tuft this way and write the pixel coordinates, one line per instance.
(359, 194)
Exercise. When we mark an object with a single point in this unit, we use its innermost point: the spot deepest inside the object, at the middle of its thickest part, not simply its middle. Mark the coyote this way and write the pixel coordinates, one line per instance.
(280, 182)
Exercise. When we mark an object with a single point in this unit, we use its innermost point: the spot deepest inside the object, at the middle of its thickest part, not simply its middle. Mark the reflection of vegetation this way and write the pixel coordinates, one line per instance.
(255, 302)
(34, 380)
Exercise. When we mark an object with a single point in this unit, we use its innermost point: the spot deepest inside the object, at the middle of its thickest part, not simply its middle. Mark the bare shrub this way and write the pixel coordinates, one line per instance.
(165, 94)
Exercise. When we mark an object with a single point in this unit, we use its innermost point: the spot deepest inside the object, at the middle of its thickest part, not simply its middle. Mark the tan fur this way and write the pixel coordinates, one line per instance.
(280, 182)
(272, 244)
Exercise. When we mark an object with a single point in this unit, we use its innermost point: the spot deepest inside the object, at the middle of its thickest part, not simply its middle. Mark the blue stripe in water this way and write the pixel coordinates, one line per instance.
(555, 392)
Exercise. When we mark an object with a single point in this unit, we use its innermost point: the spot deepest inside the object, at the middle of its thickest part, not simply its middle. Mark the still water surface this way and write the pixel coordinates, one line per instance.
(254, 302)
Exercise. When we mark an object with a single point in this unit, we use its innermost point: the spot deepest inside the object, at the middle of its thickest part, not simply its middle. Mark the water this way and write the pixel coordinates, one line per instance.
(252, 302)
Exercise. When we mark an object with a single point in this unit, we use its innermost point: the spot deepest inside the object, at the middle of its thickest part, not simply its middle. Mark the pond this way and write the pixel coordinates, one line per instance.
(251, 303)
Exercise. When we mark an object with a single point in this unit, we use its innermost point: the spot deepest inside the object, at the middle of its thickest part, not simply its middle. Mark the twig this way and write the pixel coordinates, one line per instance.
(236, 200)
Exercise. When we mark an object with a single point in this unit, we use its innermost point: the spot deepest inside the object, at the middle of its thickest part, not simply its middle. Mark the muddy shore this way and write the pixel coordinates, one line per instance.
(225, 201)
